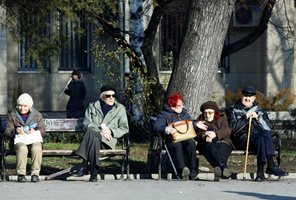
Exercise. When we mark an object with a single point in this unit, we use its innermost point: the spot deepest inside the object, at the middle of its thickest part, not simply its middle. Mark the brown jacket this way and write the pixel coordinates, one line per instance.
(15, 120)
(219, 125)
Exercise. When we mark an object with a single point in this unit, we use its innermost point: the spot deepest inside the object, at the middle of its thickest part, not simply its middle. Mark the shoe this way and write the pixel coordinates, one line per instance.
(260, 177)
(80, 172)
(93, 174)
(193, 175)
(217, 174)
(185, 174)
(276, 171)
(226, 173)
(21, 178)
(34, 178)
(93, 178)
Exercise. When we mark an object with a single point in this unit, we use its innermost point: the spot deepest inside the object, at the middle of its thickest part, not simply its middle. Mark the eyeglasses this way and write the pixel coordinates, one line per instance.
(208, 113)
(109, 95)
(180, 106)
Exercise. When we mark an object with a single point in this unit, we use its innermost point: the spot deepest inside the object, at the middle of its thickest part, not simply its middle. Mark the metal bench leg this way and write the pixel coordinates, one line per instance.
(122, 168)
(159, 166)
(3, 174)
(127, 167)
(4, 177)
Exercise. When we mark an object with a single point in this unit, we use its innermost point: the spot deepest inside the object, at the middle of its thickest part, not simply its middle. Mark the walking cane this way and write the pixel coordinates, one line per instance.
(171, 160)
(247, 148)
(64, 89)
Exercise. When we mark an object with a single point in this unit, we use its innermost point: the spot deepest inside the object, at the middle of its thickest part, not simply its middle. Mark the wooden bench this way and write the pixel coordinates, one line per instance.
(157, 149)
(67, 126)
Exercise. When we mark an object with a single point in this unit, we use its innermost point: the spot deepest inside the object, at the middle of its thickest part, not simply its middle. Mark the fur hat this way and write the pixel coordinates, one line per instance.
(209, 105)
(25, 99)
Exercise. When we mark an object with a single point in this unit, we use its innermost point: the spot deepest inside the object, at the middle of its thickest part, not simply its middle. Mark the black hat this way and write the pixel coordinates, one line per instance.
(249, 91)
(209, 105)
(107, 88)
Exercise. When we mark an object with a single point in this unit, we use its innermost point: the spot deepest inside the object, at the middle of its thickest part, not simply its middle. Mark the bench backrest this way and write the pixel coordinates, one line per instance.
(58, 124)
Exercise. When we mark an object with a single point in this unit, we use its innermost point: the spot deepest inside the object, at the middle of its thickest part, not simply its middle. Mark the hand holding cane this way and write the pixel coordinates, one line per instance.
(247, 147)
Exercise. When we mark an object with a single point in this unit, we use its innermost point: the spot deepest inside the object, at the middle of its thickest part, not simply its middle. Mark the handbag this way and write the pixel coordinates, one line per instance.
(185, 130)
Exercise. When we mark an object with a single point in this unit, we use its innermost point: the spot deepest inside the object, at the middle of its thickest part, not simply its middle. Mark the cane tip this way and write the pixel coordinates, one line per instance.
(244, 178)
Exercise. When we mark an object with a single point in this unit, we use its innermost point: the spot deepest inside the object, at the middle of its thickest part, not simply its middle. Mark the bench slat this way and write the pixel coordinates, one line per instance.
(234, 152)
(58, 125)
(72, 152)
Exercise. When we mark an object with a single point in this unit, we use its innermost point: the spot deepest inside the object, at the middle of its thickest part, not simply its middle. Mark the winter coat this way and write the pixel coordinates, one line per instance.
(15, 120)
(219, 125)
(166, 116)
(115, 119)
(77, 92)
(239, 123)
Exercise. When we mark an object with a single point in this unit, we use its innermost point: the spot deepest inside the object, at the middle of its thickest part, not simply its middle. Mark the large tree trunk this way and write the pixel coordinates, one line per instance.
(196, 69)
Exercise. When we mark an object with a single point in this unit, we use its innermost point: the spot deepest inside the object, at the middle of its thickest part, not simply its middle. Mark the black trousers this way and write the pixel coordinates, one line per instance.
(216, 153)
(89, 147)
(261, 143)
(183, 154)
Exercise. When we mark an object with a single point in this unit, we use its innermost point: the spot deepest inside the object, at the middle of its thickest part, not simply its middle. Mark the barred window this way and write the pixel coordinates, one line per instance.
(76, 46)
(172, 34)
(26, 61)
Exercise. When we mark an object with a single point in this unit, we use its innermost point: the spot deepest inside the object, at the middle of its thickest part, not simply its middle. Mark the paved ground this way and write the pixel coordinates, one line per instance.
(142, 189)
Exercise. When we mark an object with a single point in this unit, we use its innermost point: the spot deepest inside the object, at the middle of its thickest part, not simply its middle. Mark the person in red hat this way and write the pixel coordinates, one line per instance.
(214, 142)
(261, 134)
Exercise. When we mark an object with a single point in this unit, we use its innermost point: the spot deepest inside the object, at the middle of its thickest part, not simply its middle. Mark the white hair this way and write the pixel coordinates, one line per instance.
(25, 99)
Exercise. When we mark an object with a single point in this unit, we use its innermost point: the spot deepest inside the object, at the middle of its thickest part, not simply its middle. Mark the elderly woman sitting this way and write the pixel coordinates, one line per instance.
(214, 141)
(24, 120)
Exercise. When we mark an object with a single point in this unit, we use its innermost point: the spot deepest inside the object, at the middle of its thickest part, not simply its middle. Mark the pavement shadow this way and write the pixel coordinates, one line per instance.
(263, 196)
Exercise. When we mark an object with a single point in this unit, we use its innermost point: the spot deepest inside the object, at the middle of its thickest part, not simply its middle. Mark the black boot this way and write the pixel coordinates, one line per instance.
(81, 169)
(93, 174)
(273, 169)
(260, 172)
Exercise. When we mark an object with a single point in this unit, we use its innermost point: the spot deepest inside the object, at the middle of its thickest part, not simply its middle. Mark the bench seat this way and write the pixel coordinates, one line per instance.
(64, 125)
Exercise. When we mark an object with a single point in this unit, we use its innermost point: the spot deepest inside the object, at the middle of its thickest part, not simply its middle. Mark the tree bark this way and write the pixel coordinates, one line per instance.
(196, 68)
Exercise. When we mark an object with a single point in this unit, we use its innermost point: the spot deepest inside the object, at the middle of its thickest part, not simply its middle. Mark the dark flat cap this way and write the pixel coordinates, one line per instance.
(249, 91)
(107, 88)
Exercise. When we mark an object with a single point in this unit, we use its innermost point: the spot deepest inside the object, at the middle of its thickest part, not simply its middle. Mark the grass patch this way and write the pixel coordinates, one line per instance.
(138, 160)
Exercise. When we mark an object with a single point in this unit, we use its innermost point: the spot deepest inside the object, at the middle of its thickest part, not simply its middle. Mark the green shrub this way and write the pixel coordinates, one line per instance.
(64, 137)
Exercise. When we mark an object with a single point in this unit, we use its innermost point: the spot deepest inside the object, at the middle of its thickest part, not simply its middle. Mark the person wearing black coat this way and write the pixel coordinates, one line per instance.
(261, 135)
(184, 152)
(77, 92)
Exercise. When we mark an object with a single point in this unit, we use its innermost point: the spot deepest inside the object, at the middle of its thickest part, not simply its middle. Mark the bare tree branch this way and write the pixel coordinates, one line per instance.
(254, 35)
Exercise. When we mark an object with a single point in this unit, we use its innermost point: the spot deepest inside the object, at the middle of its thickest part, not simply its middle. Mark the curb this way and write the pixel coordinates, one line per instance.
(202, 176)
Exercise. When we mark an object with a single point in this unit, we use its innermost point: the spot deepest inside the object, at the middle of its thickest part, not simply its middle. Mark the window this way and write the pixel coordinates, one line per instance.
(75, 41)
(172, 34)
(76, 46)
(26, 60)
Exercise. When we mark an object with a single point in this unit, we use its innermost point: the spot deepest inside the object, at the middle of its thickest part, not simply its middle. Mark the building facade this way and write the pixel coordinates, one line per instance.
(269, 63)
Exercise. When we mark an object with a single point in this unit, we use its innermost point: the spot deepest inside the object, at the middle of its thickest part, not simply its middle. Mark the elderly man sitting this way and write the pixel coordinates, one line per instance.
(105, 121)
(261, 136)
